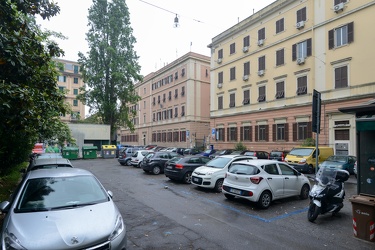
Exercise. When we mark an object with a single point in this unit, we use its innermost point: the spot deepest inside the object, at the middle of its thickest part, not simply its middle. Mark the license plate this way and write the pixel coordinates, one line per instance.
(235, 191)
(195, 179)
(169, 167)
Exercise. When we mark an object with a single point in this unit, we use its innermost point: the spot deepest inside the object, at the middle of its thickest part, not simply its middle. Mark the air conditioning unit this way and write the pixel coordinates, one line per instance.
(219, 60)
(260, 72)
(245, 49)
(300, 25)
(260, 42)
(338, 7)
(300, 61)
(245, 77)
(219, 85)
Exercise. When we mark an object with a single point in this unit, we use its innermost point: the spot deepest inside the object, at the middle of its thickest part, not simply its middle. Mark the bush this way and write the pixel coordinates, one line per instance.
(308, 142)
(239, 147)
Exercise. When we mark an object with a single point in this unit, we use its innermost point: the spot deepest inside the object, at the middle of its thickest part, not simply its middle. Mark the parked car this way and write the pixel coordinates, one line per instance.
(256, 153)
(212, 174)
(44, 163)
(263, 181)
(345, 162)
(138, 156)
(192, 151)
(221, 152)
(181, 168)
(278, 155)
(154, 161)
(125, 155)
(208, 152)
(64, 208)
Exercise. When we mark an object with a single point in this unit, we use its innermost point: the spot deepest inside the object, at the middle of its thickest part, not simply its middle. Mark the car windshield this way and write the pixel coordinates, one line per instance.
(219, 162)
(208, 151)
(44, 194)
(243, 169)
(301, 151)
(337, 158)
(150, 155)
(275, 153)
(144, 153)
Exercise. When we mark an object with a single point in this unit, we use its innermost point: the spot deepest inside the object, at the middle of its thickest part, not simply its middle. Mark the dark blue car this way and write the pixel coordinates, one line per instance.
(208, 152)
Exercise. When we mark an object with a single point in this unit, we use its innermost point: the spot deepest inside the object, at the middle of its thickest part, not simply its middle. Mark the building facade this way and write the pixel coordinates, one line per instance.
(174, 108)
(70, 80)
(264, 71)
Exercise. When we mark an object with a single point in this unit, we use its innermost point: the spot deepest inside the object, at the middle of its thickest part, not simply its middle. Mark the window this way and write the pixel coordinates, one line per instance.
(262, 63)
(176, 75)
(246, 68)
(183, 111)
(220, 54)
(232, 100)
(158, 98)
(175, 93)
(75, 80)
(279, 25)
(336, 2)
(262, 34)
(175, 111)
(301, 15)
(286, 170)
(246, 41)
(182, 135)
(246, 133)
(144, 119)
(280, 57)
(302, 49)
(341, 77)
(175, 136)
(220, 77)
(233, 73)
(170, 95)
(280, 90)
(76, 69)
(61, 78)
(262, 94)
(183, 91)
(68, 66)
(280, 132)
(246, 97)
(220, 102)
(220, 134)
(61, 88)
(341, 36)
(153, 101)
(182, 72)
(75, 91)
(301, 131)
(164, 98)
(153, 117)
(232, 48)
(302, 85)
(232, 134)
(75, 102)
(271, 169)
(261, 133)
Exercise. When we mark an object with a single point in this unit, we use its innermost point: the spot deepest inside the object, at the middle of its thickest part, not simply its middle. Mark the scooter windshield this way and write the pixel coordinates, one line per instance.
(326, 175)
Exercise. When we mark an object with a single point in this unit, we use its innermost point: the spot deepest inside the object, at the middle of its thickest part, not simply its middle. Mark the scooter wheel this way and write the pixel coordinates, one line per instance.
(313, 212)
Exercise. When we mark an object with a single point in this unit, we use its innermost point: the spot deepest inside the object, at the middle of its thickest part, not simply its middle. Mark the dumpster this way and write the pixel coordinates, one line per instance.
(89, 152)
(70, 153)
(109, 151)
(363, 217)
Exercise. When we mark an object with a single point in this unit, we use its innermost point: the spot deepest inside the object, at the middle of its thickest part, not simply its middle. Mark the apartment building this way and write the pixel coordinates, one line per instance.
(265, 68)
(174, 108)
(70, 80)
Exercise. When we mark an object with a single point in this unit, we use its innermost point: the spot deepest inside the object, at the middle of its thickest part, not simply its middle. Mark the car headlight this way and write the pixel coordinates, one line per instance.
(303, 160)
(339, 166)
(10, 241)
(119, 227)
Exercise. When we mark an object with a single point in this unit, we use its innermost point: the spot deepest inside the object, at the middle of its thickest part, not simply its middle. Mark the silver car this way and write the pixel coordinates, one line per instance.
(62, 208)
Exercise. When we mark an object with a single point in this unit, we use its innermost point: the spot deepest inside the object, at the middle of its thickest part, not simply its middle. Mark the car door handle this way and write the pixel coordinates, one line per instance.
(286, 178)
(269, 178)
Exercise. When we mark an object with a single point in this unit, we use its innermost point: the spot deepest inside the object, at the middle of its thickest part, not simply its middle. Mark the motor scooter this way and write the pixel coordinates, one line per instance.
(328, 193)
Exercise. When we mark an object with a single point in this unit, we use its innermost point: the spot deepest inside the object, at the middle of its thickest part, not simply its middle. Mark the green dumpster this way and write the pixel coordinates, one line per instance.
(109, 151)
(70, 153)
(89, 152)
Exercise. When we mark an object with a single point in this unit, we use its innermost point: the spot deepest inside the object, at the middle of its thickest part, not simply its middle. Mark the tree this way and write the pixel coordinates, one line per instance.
(30, 102)
(110, 68)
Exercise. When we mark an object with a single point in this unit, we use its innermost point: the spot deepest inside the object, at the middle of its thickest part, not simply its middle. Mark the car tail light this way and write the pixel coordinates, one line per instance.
(256, 179)
(249, 193)
(179, 166)
(282, 157)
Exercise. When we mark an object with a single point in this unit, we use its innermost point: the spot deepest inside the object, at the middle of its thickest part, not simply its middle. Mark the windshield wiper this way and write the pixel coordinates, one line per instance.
(75, 205)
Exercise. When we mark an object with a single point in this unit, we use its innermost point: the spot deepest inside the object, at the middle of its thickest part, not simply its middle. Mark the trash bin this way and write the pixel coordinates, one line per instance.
(363, 217)
(89, 152)
(109, 151)
(70, 153)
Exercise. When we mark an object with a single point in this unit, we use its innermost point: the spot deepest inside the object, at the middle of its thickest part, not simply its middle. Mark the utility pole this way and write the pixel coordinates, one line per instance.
(316, 103)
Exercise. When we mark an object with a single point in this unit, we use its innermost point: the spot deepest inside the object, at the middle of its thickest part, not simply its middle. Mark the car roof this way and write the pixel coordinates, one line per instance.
(236, 156)
(40, 162)
(59, 172)
(261, 162)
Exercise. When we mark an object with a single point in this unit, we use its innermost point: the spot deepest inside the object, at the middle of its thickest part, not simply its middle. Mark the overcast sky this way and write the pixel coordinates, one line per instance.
(158, 42)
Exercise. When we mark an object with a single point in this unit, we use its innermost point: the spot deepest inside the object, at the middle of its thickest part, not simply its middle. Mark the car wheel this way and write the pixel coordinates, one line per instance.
(310, 169)
(219, 185)
(265, 199)
(304, 192)
(229, 196)
(139, 165)
(128, 162)
(156, 170)
(187, 178)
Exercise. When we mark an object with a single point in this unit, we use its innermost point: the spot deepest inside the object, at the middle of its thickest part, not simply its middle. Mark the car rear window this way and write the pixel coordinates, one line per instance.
(243, 169)
(219, 162)
(275, 154)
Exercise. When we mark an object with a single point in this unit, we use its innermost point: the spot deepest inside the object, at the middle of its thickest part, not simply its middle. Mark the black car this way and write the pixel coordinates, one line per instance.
(278, 155)
(181, 168)
(221, 152)
(192, 151)
(154, 161)
(256, 153)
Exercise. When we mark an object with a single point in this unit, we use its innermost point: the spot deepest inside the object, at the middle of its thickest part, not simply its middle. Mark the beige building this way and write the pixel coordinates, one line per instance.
(175, 106)
(264, 71)
(70, 79)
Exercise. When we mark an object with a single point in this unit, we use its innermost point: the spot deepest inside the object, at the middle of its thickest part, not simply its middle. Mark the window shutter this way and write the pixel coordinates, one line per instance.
(286, 135)
(331, 39)
(294, 52)
(241, 133)
(309, 48)
(273, 132)
(294, 131)
(256, 132)
(251, 133)
(267, 133)
(351, 32)
(309, 130)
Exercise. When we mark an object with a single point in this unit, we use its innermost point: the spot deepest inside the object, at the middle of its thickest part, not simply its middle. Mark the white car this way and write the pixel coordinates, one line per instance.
(264, 181)
(212, 174)
(138, 156)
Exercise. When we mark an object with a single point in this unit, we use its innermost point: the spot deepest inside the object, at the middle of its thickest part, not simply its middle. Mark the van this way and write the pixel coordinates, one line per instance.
(303, 158)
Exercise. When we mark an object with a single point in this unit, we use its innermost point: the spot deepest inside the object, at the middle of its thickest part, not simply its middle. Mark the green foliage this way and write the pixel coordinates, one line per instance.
(30, 103)
(110, 68)
(239, 147)
(308, 142)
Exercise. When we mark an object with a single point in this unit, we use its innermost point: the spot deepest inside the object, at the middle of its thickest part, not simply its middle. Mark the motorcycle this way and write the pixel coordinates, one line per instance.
(328, 193)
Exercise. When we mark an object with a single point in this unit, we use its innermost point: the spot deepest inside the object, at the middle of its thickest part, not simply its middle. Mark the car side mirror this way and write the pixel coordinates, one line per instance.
(110, 193)
(4, 206)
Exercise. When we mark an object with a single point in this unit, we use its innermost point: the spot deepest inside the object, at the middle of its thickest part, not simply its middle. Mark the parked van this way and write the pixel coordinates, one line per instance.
(303, 158)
